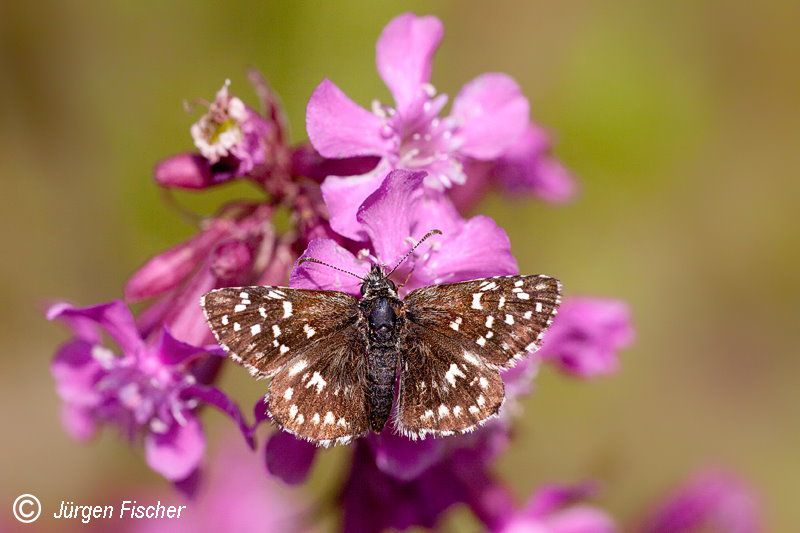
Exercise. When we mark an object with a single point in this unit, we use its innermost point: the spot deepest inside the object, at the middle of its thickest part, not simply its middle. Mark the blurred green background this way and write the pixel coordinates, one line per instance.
(681, 119)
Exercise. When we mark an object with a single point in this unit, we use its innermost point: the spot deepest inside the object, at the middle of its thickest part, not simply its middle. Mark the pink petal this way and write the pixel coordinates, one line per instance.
(178, 452)
(403, 458)
(186, 171)
(338, 127)
(78, 422)
(76, 373)
(315, 276)
(114, 317)
(581, 519)
(388, 214)
(216, 398)
(481, 249)
(168, 269)
(528, 167)
(587, 335)
(289, 458)
(492, 113)
(343, 196)
(404, 55)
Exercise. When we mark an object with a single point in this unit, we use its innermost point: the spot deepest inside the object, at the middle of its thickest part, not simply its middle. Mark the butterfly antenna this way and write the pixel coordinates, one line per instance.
(431, 233)
(312, 260)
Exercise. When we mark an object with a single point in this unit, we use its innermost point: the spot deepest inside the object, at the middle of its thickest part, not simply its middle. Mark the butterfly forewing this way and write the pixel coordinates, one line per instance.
(501, 319)
(457, 338)
(263, 328)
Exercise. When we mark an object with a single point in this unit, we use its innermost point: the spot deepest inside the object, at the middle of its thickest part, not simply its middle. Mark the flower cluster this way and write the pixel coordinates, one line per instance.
(368, 185)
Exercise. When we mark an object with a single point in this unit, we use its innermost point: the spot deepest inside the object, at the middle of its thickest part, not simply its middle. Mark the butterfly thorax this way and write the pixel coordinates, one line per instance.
(382, 311)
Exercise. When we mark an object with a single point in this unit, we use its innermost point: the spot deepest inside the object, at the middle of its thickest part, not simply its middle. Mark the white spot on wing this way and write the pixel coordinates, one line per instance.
(443, 411)
(287, 394)
(451, 375)
(476, 300)
(309, 331)
(224, 320)
(509, 320)
(481, 341)
(287, 309)
(255, 329)
(276, 331)
(283, 349)
(538, 307)
(236, 326)
(329, 418)
(489, 321)
(317, 380)
(298, 367)
(523, 296)
(239, 308)
(470, 357)
(292, 411)
(502, 302)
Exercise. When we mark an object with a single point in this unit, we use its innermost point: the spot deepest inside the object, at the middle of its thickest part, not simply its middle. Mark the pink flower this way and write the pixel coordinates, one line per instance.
(233, 140)
(557, 509)
(586, 336)
(236, 497)
(394, 217)
(710, 501)
(237, 247)
(527, 167)
(147, 390)
(487, 116)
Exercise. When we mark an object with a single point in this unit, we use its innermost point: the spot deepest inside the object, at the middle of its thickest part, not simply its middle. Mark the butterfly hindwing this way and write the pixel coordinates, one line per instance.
(444, 388)
(500, 319)
(458, 337)
(321, 394)
(263, 328)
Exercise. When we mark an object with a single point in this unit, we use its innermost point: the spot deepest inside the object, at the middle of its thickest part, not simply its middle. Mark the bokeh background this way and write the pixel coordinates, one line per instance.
(681, 118)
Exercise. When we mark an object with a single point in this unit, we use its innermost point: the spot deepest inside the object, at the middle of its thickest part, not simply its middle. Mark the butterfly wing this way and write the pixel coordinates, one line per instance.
(458, 336)
(321, 394)
(309, 342)
(263, 328)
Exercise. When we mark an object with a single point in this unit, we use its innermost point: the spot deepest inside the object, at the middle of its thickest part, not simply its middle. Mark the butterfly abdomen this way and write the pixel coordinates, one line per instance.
(382, 337)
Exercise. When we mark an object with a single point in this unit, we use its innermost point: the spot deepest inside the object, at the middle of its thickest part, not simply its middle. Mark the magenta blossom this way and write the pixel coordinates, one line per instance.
(710, 501)
(238, 498)
(586, 336)
(558, 509)
(393, 218)
(237, 247)
(487, 117)
(233, 141)
(147, 390)
(526, 168)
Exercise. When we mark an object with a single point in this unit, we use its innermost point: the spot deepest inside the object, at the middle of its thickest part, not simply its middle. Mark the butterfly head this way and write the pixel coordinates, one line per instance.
(377, 284)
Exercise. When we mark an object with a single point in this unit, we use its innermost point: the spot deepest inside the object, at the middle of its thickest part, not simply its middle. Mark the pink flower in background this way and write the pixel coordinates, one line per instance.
(147, 390)
(586, 336)
(558, 509)
(710, 501)
(527, 167)
(237, 498)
